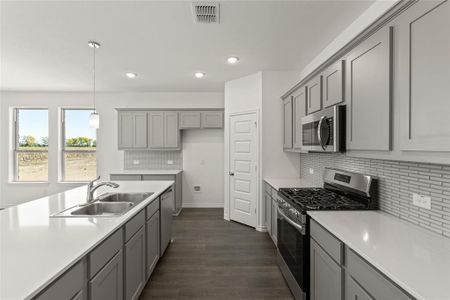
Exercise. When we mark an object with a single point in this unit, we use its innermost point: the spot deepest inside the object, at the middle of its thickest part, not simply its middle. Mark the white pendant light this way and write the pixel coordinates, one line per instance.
(94, 118)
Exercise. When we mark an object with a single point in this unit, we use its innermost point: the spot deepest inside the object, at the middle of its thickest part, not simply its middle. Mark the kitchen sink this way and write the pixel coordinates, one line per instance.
(106, 205)
(124, 197)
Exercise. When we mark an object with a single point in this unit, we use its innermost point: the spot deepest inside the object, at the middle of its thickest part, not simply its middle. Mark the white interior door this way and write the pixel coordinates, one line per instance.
(243, 168)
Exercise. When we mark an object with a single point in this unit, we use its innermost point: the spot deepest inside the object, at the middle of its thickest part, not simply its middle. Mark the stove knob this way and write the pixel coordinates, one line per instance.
(294, 212)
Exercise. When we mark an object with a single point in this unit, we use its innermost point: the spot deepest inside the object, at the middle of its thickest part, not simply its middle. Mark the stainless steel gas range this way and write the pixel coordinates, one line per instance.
(342, 190)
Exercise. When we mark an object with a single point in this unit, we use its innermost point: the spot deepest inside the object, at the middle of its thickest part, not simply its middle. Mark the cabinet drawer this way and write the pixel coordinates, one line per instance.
(158, 177)
(371, 280)
(125, 177)
(69, 285)
(104, 252)
(327, 241)
(152, 208)
(132, 226)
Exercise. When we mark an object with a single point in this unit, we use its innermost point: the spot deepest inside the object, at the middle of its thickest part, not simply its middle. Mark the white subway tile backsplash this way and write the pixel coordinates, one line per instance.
(153, 160)
(397, 181)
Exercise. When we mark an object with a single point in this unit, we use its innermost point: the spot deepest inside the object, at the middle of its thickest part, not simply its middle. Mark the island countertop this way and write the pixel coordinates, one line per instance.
(36, 249)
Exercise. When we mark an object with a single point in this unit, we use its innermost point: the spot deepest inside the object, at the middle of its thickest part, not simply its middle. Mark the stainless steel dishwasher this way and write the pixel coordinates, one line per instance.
(166, 218)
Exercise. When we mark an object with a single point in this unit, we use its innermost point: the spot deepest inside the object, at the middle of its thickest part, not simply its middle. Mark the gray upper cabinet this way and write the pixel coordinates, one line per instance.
(368, 88)
(163, 132)
(314, 95)
(132, 130)
(326, 275)
(299, 107)
(171, 131)
(212, 119)
(135, 278)
(333, 84)
(424, 42)
(287, 117)
(190, 119)
(108, 283)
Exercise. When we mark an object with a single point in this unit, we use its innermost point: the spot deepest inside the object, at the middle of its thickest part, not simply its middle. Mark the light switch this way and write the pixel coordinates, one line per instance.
(170, 162)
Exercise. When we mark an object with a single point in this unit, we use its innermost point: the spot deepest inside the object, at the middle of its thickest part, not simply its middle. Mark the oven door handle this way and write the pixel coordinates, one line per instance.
(295, 225)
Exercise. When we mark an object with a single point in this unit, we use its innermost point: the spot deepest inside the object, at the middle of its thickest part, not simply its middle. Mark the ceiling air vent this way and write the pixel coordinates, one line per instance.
(206, 12)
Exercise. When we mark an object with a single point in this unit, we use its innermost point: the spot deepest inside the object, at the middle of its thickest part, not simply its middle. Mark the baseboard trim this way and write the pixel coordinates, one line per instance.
(202, 205)
(261, 228)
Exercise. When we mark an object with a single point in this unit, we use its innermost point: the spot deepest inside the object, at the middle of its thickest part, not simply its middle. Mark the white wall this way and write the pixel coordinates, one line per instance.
(108, 157)
(203, 153)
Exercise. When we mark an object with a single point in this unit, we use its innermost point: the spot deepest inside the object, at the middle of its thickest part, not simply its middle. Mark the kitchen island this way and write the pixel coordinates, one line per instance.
(36, 249)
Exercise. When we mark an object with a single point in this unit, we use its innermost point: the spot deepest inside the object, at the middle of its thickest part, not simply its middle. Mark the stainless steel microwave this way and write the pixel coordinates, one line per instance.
(324, 131)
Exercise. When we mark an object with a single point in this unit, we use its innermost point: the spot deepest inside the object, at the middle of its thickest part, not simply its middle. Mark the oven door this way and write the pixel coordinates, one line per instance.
(293, 246)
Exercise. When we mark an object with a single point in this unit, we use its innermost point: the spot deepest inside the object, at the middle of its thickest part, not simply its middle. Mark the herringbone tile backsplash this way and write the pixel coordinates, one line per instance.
(397, 181)
(153, 160)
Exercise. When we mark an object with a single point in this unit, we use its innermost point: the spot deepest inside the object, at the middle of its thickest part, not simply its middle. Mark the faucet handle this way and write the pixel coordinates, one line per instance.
(91, 183)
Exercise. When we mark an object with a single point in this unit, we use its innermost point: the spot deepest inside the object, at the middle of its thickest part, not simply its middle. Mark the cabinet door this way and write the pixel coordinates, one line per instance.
(171, 131)
(190, 119)
(274, 221)
(70, 285)
(135, 265)
(166, 219)
(354, 292)
(424, 42)
(268, 205)
(125, 129)
(287, 117)
(326, 275)
(299, 104)
(152, 243)
(156, 130)
(108, 283)
(333, 84)
(314, 95)
(139, 130)
(369, 91)
(212, 119)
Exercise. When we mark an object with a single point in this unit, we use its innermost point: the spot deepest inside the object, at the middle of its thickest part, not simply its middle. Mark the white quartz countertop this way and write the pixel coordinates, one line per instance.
(146, 172)
(278, 183)
(35, 249)
(415, 259)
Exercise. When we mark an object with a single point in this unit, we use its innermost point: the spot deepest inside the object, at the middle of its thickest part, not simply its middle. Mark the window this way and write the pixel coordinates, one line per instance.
(31, 144)
(79, 161)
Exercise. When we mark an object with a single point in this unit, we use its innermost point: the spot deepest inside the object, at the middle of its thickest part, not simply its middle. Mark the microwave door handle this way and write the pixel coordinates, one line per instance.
(319, 135)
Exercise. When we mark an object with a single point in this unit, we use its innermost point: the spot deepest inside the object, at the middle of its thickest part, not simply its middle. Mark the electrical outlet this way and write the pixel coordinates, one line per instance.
(421, 201)
(135, 162)
(197, 188)
(170, 162)
(311, 171)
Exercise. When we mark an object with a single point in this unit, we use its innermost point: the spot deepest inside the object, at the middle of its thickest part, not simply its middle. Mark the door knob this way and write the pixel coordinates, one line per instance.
(231, 173)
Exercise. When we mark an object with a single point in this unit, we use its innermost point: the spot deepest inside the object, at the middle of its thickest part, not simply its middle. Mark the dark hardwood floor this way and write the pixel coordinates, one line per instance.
(211, 258)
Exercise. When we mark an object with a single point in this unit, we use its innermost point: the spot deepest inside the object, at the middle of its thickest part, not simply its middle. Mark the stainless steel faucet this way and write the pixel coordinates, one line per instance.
(91, 187)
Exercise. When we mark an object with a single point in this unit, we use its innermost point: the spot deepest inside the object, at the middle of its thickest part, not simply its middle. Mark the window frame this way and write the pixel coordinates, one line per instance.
(63, 150)
(16, 147)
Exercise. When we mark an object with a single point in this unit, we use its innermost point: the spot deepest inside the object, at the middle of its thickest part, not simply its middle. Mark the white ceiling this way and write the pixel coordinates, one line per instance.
(44, 44)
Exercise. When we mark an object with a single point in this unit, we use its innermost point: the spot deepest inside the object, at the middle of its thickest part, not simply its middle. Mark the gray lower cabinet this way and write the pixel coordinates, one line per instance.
(326, 275)
(166, 209)
(70, 285)
(333, 84)
(352, 278)
(287, 118)
(153, 243)
(424, 42)
(108, 282)
(314, 95)
(268, 205)
(274, 219)
(135, 278)
(132, 130)
(368, 88)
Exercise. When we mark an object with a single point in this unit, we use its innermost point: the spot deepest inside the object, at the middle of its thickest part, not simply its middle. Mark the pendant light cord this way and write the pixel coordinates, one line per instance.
(95, 110)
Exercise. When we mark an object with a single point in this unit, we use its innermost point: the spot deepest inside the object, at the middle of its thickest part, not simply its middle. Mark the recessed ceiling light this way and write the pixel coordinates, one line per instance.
(131, 75)
(232, 59)
(199, 74)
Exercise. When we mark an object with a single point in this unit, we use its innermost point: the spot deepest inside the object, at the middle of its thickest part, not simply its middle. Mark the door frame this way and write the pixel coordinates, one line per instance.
(227, 203)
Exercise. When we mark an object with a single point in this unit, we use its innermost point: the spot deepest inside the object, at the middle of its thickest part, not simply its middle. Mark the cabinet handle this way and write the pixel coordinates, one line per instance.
(231, 173)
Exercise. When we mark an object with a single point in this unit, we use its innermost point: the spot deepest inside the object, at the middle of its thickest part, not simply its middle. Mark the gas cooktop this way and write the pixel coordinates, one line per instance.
(319, 199)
